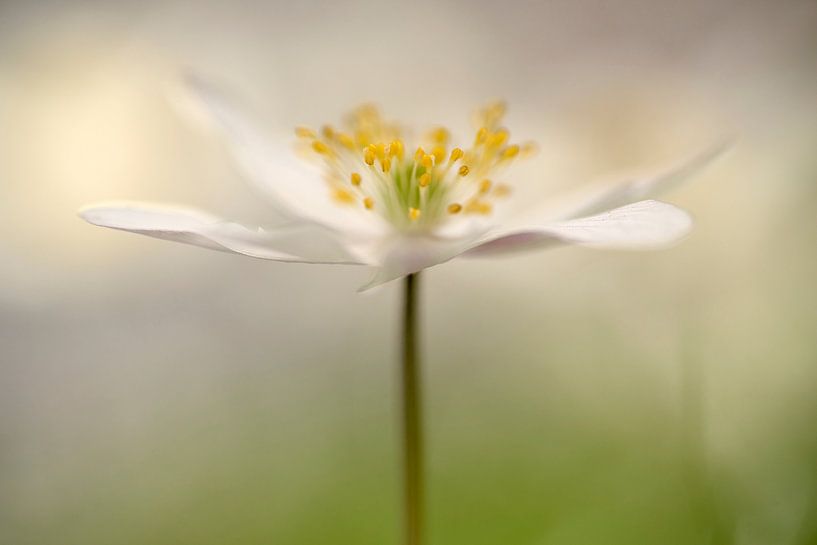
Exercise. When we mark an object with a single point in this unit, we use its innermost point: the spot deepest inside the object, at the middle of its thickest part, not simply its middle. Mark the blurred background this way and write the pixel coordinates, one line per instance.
(153, 393)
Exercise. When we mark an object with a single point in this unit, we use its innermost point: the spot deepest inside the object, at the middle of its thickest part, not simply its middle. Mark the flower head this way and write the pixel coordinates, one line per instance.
(380, 199)
(367, 165)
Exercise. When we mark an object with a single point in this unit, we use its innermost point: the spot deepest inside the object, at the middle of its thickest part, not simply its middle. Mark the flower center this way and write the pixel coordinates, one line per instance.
(367, 165)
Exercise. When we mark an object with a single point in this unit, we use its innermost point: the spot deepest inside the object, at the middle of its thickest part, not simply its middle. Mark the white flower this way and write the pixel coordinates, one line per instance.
(374, 201)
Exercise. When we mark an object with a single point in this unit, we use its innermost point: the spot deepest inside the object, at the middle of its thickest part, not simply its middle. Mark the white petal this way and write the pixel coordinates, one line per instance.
(297, 189)
(406, 254)
(300, 243)
(596, 199)
(642, 225)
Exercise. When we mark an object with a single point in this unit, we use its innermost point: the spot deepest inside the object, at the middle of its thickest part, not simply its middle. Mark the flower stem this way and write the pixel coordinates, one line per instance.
(413, 488)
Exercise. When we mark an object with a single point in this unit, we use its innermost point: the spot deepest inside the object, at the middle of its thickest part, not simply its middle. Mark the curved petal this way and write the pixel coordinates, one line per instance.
(642, 225)
(300, 243)
(589, 201)
(406, 254)
(297, 190)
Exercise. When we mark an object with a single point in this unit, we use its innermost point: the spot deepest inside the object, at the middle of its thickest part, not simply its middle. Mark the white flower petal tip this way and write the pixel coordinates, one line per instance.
(605, 198)
(299, 244)
(682, 172)
(374, 283)
(380, 278)
(645, 225)
(130, 216)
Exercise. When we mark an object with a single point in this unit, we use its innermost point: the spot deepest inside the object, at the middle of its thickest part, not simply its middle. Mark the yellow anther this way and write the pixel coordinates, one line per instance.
(510, 152)
(478, 207)
(439, 154)
(497, 109)
(405, 181)
(502, 190)
(320, 147)
(363, 138)
(482, 134)
(304, 132)
(529, 149)
(396, 149)
(342, 195)
(380, 150)
(492, 114)
(346, 140)
(366, 112)
(498, 138)
(439, 135)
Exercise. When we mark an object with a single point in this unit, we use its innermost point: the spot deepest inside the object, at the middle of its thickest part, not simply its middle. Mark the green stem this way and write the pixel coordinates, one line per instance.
(412, 418)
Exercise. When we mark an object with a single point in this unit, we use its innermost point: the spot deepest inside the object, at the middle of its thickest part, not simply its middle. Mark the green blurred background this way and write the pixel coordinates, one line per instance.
(153, 393)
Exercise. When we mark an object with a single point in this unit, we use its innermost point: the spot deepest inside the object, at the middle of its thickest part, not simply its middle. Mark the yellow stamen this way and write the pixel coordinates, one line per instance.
(320, 147)
(478, 207)
(346, 140)
(482, 134)
(502, 190)
(529, 149)
(404, 182)
(439, 135)
(510, 152)
(396, 149)
(498, 138)
(439, 154)
(497, 109)
(380, 150)
(492, 114)
(341, 195)
(363, 138)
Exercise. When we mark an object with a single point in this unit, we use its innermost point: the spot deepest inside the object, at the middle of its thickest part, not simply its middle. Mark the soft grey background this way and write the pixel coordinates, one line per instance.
(155, 393)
